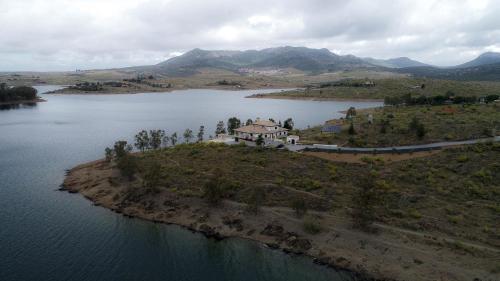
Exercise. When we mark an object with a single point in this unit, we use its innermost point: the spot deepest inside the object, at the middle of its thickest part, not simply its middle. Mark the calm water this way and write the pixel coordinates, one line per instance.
(50, 235)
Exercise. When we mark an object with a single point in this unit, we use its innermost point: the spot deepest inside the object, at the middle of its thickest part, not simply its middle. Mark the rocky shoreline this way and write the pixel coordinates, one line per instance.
(384, 256)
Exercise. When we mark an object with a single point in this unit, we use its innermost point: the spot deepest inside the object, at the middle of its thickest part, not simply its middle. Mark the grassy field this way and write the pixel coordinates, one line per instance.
(391, 125)
(453, 192)
(392, 87)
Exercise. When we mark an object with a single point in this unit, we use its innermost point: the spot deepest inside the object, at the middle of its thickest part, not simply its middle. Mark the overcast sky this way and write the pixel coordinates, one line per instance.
(69, 34)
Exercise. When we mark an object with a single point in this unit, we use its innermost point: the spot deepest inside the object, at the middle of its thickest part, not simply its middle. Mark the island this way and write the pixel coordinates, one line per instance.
(394, 216)
(18, 95)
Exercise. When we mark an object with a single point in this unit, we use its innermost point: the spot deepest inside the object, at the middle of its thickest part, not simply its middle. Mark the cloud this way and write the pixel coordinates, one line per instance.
(69, 34)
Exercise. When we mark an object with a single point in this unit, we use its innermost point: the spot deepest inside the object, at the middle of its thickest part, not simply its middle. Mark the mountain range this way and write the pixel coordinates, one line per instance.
(314, 61)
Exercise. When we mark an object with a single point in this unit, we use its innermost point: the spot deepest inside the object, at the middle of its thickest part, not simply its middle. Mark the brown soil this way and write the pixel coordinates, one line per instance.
(390, 254)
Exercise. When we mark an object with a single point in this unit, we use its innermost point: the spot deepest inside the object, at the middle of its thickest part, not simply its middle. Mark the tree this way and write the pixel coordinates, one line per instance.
(351, 112)
(272, 120)
(127, 164)
(249, 122)
(156, 137)
(109, 154)
(188, 135)
(351, 130)
(201, 133)
(173, 139)
(421, 131)
(300, 207)
(260, 140)
(142, 140)
(166, 140)
(213, 188)
(256, 199)
(121, 148)
(220, 128)
(288, 124)
(233, 123)
(417, 127)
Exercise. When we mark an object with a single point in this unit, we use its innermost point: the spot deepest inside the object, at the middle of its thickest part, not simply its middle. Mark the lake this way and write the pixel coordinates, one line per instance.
(46, 234)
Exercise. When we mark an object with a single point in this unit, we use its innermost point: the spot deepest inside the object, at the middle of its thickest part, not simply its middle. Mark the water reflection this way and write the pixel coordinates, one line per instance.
(26, 105)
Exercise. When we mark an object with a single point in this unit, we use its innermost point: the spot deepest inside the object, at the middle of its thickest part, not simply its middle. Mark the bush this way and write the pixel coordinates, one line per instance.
(300, 207)
(256, 199)
(213, 188)
(312, 226)
(127, 165)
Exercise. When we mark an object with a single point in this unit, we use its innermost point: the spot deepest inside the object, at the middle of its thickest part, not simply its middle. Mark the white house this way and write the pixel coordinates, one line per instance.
(267, 129)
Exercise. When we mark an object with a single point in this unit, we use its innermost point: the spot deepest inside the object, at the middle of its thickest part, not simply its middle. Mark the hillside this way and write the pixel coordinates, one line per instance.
(486, 72)
(484, 59)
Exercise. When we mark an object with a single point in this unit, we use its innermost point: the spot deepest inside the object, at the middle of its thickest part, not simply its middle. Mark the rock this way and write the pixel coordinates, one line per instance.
(250, 232)
(322, 260)
(273, 245)
(233, 222)
(203, 218)
(417, 261)
(340, 262)
(273, 230)
(210, 232)
(299, 244)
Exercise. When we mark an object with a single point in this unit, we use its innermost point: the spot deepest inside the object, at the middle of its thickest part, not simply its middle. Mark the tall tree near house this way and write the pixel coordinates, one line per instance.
(142, 140)
(173, 139)
(249, 122)
(233, 123)
(220, 129)
(188, 135)
(288, 124)
(201, 133)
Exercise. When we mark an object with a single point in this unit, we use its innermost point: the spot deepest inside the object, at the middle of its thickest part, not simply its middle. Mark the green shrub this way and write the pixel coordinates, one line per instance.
(312, 226)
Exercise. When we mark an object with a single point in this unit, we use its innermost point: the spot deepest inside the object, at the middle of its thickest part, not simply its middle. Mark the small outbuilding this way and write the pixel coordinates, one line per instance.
(292, 139)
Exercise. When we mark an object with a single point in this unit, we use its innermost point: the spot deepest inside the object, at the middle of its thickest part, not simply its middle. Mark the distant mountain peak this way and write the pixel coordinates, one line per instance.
(399, 62)
(483, 59)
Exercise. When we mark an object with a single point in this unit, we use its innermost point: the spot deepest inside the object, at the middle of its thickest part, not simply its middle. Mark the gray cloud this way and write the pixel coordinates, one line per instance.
(69, 34)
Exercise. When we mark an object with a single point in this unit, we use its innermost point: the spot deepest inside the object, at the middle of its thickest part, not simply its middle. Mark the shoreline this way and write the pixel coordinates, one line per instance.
(37, 100)
(67, 91)
(391, 254)
(279, 97)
